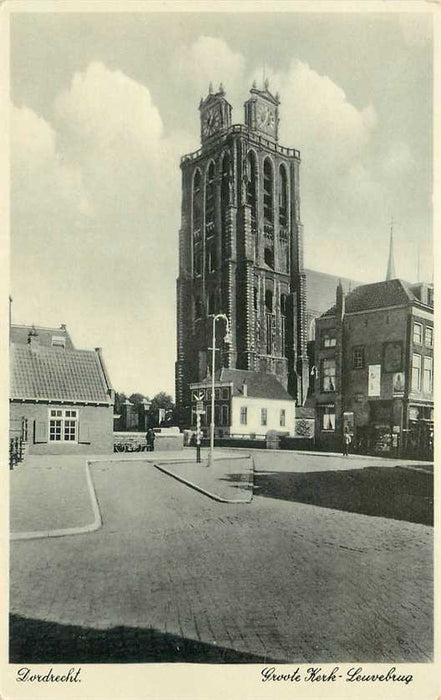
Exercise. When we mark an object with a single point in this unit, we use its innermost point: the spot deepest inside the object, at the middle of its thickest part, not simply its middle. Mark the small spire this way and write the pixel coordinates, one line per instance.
(210, 88)
(390, 274)
(254, 85)
(418, 262)
(201, 102)
(266, 84)
(221, 89)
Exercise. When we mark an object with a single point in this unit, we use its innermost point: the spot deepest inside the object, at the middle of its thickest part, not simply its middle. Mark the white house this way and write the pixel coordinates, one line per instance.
(246, 404)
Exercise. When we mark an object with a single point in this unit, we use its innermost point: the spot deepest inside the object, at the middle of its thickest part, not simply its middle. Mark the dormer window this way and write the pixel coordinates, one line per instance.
(58, 341)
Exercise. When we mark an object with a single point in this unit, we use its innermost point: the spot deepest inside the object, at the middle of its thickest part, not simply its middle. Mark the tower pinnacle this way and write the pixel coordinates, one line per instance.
(390, 274)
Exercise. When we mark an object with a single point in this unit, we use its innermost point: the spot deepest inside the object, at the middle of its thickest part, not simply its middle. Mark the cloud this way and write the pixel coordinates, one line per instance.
(99, 188)
(207, 60)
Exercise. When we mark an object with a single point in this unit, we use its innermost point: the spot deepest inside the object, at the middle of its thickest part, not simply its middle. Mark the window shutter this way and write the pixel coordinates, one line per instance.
(83, 434)
(40, 431)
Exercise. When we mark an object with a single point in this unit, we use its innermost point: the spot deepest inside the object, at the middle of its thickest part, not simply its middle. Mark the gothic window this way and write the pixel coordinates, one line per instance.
(269, 257)
(252, 188)
(283, 200)
(198, 308)
(211, 304)
(227, 182)
(209, 200)
(197, 208)
(211, 258)
(269, 301)
(283, 304)
(255, 298)
(268, 185)
(283, 324)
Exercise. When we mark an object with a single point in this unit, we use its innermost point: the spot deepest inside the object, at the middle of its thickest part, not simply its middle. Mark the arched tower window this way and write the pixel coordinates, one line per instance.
(268, 186)
(227, 182)
(197, 208)
(283, 197)
(252, 188)
(209, 200)
(283, 324)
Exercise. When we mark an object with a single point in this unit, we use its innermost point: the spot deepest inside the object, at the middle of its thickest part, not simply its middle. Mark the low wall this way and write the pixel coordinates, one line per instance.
(136, 442)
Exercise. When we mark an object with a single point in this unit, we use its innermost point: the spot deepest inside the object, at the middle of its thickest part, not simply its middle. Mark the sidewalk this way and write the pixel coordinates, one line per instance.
(228, 480)
(53, 495)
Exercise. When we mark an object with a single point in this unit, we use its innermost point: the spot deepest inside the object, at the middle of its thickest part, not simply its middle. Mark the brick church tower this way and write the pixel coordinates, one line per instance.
(241, 248)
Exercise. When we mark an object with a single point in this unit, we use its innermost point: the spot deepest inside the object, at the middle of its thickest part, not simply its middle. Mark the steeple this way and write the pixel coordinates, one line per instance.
(390, 274)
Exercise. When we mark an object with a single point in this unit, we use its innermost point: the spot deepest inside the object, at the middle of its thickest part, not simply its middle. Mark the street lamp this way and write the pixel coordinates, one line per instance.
(227, 339)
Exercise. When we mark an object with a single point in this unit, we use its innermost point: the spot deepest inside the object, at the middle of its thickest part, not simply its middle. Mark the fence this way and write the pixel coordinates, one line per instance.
(16, 451)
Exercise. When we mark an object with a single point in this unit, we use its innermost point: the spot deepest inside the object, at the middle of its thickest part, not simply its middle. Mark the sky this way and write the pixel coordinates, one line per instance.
(103, 105)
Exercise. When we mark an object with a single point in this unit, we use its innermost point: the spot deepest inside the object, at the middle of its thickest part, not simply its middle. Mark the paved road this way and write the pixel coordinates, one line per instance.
(175, 576)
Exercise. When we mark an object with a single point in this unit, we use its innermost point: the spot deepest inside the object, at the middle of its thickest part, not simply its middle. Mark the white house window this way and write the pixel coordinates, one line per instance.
(63, 425)
(282, 417)
(418, 333)
(428, 375)
(429, 337)
(263, 416)
(328, 418)
(416, 372)
(243, 415)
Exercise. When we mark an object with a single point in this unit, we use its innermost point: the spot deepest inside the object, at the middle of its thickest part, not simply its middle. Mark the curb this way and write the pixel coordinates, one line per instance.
(95, 525)
(213, 496)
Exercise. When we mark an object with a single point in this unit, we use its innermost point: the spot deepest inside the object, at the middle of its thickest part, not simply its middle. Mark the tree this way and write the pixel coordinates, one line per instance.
(120, 397)
(137, 398)
(161, 403)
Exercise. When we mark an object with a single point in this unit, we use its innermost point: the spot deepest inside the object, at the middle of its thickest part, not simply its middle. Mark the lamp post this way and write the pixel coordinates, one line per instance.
(227, 340)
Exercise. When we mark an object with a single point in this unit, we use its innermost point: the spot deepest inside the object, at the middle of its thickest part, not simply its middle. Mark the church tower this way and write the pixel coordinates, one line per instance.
(241, 248)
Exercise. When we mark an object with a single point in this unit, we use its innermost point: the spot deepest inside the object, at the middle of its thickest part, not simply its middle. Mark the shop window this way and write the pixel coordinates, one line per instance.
(418, 333)
(428, 375)
(358, 360)
(328, 374)
(416, 372)
(217, 414)
(328, 418)
(225, 415)
(429, 337)
(263, 416)
(243, 415)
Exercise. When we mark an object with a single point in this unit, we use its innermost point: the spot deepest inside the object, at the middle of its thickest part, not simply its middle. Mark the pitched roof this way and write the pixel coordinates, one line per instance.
(320, 289)
(20, 334)
(259, 384)
(375, 296)
(48, 373)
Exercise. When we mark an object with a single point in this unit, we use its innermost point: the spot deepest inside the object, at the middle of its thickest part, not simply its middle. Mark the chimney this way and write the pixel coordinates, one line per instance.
(62, 326)
(340, 300)
(245, 388)
(33, 340)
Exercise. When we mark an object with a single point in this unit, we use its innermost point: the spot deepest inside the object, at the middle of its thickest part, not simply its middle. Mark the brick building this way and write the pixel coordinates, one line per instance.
(241, 249)
(61, 401)
(374, 369)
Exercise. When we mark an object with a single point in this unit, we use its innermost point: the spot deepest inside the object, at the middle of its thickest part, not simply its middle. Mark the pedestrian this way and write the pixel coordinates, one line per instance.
(346, 442)
(150, 438)
(199, 436)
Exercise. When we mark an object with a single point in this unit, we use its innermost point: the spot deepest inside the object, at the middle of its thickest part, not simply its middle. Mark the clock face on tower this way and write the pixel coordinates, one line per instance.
(211, 122)
(266, 118)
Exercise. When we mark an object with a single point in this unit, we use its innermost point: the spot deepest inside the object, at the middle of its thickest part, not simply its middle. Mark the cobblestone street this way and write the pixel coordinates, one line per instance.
(174, 576)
